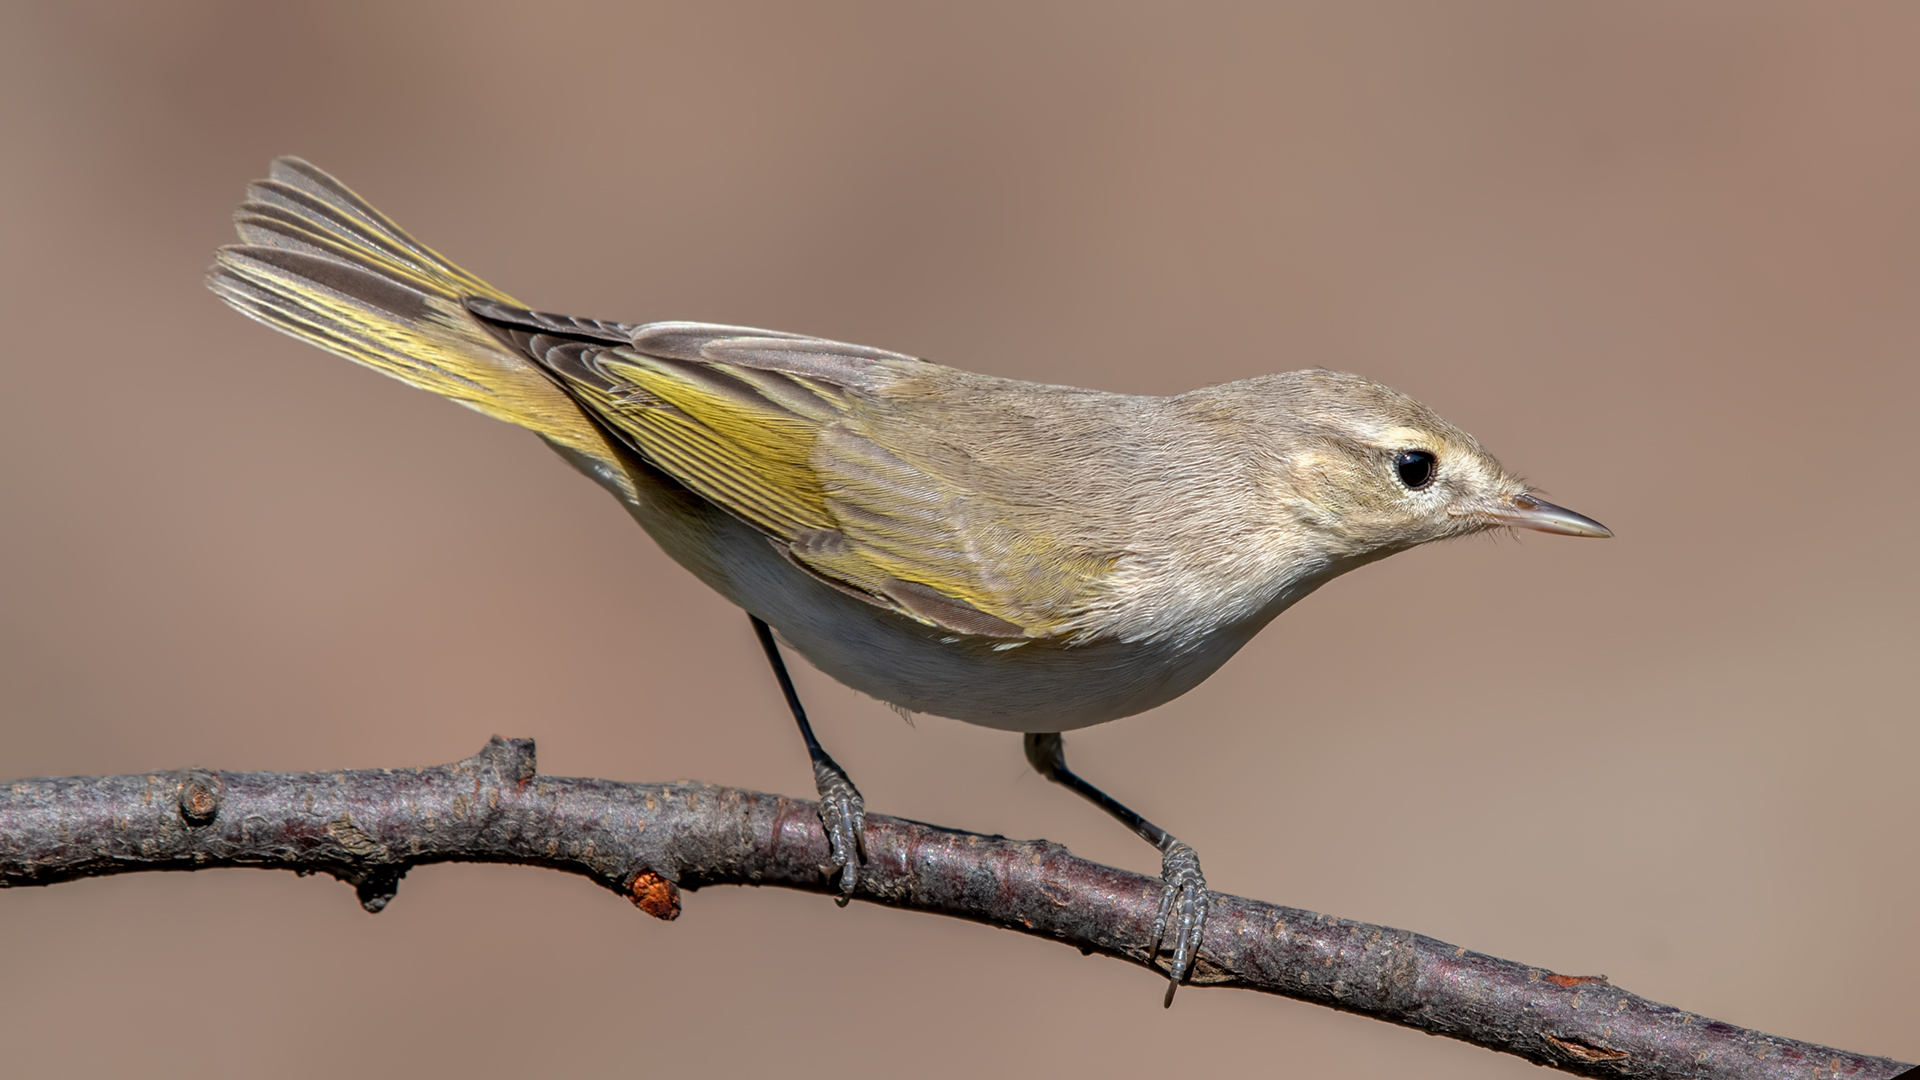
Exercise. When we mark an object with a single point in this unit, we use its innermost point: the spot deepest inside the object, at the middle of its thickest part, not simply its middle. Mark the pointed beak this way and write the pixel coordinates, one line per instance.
(1528, 512)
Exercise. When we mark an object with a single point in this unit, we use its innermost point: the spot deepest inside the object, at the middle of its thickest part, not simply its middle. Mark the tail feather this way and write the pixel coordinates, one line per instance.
(319, 263)
(299, 194)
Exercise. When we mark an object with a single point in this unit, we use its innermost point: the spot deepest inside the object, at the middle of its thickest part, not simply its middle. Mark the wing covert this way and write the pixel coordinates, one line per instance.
(801, 438)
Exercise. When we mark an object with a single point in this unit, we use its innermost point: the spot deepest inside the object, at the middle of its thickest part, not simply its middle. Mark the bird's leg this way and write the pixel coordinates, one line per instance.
(1183, 904)
(842, 811)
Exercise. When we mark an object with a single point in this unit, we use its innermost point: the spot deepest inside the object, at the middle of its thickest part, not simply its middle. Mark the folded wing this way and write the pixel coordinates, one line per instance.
(808, 441)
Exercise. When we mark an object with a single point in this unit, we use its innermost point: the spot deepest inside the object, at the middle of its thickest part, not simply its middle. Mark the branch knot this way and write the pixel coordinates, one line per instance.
(198, 796)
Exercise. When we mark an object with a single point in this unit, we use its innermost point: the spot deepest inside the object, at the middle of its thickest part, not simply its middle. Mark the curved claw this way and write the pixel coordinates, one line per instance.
(843, 813)
(1185, 896)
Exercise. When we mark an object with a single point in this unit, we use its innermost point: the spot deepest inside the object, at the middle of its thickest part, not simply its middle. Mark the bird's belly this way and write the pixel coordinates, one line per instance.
(1036, 686)
(1031, 686)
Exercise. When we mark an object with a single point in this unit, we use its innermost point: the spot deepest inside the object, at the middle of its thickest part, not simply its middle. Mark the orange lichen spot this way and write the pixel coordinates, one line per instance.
(655, 895)
(1576, 980)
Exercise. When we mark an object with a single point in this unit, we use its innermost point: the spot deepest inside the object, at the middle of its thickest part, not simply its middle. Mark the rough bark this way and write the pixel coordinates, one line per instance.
(649, 841)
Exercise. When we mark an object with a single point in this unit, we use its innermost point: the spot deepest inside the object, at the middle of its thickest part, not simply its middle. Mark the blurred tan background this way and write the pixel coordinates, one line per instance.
(1661, 258)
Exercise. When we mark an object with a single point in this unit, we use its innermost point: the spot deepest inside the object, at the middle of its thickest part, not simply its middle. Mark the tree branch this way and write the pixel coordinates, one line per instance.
(648, 841)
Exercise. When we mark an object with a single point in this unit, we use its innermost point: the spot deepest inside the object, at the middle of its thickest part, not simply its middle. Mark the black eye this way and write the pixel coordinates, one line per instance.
(1416, 468)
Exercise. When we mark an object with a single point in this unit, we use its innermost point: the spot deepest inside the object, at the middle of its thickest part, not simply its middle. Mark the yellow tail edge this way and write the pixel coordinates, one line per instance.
(318, 262)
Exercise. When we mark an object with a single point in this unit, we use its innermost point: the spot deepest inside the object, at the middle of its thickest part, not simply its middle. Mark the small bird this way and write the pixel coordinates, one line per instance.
(1026, 557)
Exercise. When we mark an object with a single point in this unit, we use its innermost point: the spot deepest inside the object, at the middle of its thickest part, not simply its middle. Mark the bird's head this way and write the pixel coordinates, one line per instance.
(1371, 471)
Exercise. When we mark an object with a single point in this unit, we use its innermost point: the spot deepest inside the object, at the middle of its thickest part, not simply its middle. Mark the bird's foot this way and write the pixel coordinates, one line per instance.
(844, 814)
(1183, 912)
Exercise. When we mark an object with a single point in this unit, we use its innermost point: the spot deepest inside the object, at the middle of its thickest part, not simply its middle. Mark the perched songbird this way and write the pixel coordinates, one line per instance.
(1027, 557)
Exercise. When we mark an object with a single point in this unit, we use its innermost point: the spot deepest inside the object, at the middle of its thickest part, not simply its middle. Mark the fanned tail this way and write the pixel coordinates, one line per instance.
(318, 262)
